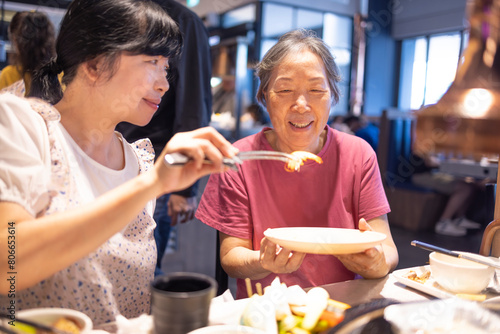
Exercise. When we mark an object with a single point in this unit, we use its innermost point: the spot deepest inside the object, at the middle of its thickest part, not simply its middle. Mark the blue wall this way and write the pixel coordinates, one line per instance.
(382, 63)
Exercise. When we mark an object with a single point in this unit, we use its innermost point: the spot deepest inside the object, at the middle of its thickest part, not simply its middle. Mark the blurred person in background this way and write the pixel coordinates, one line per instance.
(363, 128)
(186, 106)
(32, 37)
(460, 192)
(337, 123)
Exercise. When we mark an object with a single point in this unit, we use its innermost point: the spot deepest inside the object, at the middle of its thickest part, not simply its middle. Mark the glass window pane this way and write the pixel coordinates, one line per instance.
(265, 45)
(441, 66)
(343, 106)
(418, 73)
(309, 19)
(276, 20)
(343, 60)
(337, 31)
(406, 73)
(238, 16)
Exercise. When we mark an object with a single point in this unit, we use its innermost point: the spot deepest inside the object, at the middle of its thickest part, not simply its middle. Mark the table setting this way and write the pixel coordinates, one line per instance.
(420, 294)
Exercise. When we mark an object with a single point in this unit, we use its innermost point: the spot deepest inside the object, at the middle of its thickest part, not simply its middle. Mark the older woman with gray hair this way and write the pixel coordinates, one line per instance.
(298, 86)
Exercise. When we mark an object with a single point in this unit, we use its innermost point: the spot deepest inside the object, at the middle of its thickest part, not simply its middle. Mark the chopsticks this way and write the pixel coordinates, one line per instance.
(36, 325)
(258, 287)
(433, 248)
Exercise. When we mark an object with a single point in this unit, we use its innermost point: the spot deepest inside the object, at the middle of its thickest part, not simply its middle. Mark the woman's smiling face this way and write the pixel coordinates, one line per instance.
(298, 100)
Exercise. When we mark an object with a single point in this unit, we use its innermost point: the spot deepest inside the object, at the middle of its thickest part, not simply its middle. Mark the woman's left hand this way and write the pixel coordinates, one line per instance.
(370, 263)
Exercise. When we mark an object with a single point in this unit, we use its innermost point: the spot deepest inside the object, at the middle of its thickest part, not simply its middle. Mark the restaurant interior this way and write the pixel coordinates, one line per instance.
(395, 58)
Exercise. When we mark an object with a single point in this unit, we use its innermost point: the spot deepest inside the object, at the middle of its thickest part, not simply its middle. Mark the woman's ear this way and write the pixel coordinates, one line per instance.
(92, 69)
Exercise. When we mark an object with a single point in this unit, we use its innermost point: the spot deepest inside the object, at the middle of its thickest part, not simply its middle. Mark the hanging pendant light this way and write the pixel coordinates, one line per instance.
(466, 119)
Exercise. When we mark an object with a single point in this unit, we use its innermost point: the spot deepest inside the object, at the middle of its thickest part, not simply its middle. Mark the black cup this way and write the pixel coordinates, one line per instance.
(180, 302)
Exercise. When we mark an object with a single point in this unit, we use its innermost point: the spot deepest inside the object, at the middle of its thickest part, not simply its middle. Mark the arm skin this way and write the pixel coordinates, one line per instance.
(240, 261)
(48, 244)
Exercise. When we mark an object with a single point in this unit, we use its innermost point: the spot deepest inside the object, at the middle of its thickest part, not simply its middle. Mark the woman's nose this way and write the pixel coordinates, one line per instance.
(301, 103)
(162, 84)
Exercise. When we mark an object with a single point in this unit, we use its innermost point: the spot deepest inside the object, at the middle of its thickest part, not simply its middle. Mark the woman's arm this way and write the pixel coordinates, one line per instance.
(48, 244)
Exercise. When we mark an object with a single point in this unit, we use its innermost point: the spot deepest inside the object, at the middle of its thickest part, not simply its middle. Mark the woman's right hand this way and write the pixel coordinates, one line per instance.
(200, 144)
(279, 260)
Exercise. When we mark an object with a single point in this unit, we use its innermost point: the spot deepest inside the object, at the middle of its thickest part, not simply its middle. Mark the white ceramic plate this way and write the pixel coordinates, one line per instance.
(324, 240)
(48, 316)
(227, 329)
(430, 287)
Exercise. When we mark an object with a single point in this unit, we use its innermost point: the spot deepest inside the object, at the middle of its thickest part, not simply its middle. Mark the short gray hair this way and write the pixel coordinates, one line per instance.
(294, 42)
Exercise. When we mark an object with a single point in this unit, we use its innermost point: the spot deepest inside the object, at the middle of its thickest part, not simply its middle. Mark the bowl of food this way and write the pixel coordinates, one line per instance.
(459, 275)
(71, 321)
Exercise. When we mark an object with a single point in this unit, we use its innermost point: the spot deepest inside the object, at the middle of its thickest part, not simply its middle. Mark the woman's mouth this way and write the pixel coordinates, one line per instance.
(300, 125)
(152, 104)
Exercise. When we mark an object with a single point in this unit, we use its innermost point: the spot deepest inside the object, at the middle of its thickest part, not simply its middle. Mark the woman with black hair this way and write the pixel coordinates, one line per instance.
(33, 40)
(76, 200)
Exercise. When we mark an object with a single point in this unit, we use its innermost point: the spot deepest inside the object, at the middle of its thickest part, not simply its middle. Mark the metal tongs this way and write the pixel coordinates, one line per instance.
(178, 159)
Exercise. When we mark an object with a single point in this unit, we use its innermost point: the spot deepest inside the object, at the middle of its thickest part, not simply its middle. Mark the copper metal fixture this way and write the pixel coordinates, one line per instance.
(466, 120)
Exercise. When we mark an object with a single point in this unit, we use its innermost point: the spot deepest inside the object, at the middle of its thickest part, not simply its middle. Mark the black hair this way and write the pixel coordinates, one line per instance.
(33, 36)
(106, 28)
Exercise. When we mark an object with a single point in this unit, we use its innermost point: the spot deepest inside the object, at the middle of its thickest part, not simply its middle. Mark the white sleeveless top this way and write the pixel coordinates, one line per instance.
(55, 175)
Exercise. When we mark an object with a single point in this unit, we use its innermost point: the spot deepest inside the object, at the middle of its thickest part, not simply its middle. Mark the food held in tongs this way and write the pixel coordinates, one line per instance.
(293, 165)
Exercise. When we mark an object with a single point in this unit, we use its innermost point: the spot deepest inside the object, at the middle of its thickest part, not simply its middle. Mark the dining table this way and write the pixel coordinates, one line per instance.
(361, 291)
(479, 170)
(227, 311)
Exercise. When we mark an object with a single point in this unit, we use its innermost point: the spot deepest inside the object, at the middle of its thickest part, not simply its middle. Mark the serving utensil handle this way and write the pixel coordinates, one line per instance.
(433, 248)
(179, 159)
(176, 159)
(429, 247)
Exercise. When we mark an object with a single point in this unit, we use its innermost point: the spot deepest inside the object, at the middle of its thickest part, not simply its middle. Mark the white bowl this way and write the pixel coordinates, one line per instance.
(48, 316)
(459, 275)
(227, 329)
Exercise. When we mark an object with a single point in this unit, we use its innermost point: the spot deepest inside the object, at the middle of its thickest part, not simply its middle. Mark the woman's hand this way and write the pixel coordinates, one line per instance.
(279, 260)
(370, 263)
(200, 144)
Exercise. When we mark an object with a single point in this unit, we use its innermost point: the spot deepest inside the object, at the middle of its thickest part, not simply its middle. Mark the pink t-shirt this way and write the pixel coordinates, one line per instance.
(262, 195)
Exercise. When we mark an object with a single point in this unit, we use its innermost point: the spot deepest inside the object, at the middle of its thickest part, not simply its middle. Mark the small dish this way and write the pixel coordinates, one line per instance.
(48, 316)
(432, 288)
(460, 275)
(324, 240)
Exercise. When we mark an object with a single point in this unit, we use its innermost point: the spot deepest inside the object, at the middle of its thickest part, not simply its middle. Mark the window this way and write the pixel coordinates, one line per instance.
(337, 34)
(238, 16)
(428, 67)
(335, 30)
